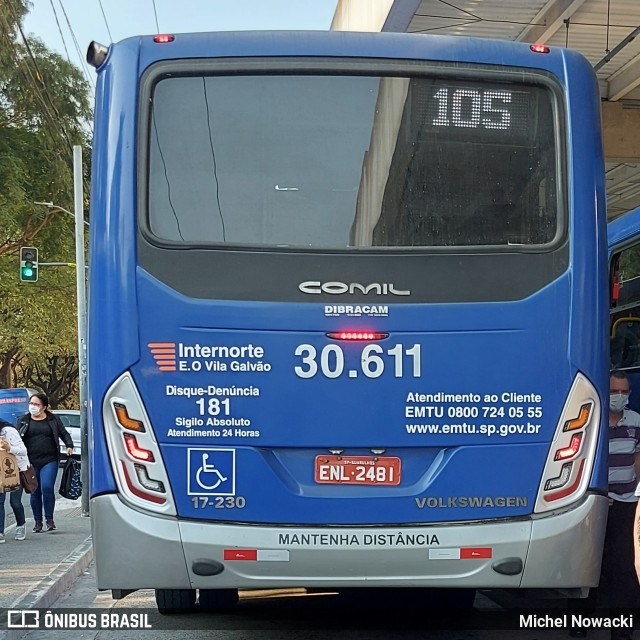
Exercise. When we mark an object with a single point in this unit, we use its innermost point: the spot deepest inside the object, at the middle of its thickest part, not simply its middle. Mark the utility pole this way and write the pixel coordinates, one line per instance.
(82, 323)
(81, 300)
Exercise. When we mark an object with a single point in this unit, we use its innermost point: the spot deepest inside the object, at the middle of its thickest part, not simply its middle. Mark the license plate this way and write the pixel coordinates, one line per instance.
(358, 470)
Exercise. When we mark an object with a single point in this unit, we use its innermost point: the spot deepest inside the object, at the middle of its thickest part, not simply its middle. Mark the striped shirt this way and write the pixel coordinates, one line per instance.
(624, 443)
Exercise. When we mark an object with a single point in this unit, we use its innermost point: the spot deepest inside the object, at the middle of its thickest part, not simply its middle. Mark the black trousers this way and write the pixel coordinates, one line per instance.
(618, 588)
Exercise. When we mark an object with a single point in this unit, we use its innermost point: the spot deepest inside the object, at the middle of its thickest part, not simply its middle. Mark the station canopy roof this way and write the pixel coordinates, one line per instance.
(606, 32)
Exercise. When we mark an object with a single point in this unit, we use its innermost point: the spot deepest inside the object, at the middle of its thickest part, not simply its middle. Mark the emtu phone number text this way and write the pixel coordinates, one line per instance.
(374, 361)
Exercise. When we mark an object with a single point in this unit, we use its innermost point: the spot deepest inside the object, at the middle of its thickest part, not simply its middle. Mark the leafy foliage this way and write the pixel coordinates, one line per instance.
(44, 111)
(630, 263)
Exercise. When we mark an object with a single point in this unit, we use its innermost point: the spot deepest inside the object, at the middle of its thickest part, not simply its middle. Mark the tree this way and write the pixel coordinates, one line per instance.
(57, 376)
(44, 111)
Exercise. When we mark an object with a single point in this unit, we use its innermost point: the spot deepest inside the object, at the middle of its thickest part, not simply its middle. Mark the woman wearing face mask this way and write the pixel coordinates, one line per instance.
(41, 430)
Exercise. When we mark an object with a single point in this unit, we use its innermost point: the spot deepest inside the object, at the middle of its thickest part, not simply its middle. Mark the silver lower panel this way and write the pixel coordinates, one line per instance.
(136, 550)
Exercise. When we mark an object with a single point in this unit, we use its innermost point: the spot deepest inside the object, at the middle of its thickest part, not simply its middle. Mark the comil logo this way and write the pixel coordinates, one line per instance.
(164, 353)
(339, 288)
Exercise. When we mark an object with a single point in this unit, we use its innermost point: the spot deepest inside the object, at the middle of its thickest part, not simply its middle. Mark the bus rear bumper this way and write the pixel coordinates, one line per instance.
(136, 550)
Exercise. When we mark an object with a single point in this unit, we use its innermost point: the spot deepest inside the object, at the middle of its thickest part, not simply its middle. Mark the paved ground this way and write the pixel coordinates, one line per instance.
(36, 571)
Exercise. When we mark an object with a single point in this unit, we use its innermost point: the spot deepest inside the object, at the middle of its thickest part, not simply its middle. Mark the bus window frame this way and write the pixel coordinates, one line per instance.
(352, 66)
(614, 309)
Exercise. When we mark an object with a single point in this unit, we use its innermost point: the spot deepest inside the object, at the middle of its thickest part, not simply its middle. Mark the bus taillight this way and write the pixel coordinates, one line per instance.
(560, 480)
(146, 481)
(572, 449)
(357, 335)
(135, 451)
(563, 493)
(539, 48)
(581, 420)
(141, 494)
(125, 420)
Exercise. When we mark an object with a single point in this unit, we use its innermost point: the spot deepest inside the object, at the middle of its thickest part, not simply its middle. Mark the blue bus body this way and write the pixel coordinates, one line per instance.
(13, 404)
(283, 415)
(625, 307)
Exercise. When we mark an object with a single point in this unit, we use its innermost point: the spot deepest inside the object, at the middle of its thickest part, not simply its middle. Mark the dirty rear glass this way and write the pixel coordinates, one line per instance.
(352, 161)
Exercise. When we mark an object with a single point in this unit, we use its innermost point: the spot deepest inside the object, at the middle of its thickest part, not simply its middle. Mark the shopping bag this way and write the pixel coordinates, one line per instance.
(70, 483)
(9, 473)
(28, 479)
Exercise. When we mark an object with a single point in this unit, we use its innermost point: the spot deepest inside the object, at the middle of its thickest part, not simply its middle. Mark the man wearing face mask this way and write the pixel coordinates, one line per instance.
(618, 588)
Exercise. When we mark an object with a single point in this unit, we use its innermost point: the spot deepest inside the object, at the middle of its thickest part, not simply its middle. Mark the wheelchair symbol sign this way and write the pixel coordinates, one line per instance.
(211, 472)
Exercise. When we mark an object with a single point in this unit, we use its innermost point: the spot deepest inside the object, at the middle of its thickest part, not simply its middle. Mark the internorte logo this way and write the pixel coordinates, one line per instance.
(164, 353)
(339, 288)
(176, 356)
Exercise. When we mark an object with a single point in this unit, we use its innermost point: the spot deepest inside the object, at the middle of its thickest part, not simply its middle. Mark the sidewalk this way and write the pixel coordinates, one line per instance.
(36, 571)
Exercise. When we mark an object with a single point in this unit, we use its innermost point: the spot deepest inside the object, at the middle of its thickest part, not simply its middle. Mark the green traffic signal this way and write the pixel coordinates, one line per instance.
(28, 264)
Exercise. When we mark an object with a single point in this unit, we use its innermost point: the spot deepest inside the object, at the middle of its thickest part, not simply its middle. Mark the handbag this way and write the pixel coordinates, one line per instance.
(70, 483)
(9, 472)
(28, 479)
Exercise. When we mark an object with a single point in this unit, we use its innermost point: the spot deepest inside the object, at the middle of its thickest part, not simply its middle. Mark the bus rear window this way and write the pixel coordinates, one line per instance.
(352, 162)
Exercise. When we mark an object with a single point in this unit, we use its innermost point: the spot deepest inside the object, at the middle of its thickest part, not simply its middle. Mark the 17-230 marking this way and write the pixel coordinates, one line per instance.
(218, 502)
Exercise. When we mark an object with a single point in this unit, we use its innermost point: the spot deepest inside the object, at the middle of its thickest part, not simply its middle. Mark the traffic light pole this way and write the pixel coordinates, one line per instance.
(78, 198)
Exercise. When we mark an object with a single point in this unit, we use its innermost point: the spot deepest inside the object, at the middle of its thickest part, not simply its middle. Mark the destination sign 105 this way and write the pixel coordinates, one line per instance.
(493, 110)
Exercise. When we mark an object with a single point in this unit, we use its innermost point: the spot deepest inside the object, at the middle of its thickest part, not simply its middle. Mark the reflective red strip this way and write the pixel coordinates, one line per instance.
(240, 554)
(473, 553)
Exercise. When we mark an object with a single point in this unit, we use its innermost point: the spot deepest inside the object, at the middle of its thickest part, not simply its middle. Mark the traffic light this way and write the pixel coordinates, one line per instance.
(28, 264)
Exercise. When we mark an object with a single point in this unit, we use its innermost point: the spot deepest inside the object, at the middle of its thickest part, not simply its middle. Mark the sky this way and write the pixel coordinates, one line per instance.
(75, 23)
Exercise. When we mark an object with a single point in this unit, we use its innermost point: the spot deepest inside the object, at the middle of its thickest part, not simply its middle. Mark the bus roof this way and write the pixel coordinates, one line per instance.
(348, 44)
(623, 228)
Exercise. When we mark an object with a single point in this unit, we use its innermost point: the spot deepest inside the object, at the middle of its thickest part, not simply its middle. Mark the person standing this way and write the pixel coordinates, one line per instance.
(11, 441)
(41, 430)
(636, 535)
(618, 582)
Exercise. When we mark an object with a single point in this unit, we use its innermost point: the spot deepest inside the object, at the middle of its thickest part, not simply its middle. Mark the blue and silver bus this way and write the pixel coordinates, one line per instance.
(624, 249)
(347, 315)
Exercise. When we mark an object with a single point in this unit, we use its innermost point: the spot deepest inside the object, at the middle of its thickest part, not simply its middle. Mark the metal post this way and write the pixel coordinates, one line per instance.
(82, 322)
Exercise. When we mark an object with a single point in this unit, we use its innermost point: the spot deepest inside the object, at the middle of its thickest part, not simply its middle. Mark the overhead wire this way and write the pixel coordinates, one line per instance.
(606, 49)
(104, 16)
(81, 56)
(453, 6)
(463, 20)
(64, 44)
(521, 22)
(155, 11)
(37, 84)
(88, 76)
(11, 47)
(463, 23)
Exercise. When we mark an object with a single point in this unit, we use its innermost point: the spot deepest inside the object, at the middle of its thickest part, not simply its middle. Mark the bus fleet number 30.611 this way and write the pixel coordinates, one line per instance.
(374, 359)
